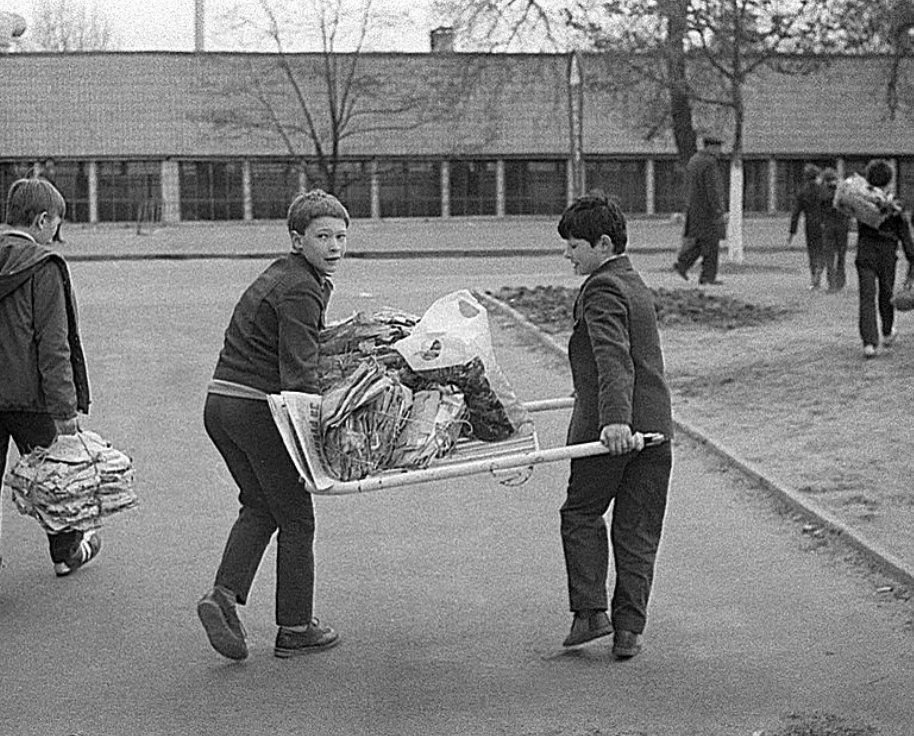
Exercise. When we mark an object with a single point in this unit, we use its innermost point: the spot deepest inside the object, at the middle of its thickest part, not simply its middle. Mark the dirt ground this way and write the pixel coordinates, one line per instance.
(789, 389)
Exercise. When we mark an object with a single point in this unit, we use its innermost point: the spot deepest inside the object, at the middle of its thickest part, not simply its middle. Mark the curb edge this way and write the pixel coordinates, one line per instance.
(882, 559)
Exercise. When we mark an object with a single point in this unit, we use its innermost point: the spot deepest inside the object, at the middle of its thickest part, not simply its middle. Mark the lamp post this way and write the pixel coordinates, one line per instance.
(576, 123)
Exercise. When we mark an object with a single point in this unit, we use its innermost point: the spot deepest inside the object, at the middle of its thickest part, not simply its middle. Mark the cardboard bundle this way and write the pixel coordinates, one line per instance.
(73, 484)
(856, 197)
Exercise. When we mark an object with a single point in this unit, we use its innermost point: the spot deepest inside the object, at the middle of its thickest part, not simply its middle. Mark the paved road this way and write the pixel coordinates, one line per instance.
(450, 597)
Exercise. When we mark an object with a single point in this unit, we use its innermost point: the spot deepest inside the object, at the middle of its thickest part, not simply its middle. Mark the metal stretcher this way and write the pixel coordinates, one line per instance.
(469, 457)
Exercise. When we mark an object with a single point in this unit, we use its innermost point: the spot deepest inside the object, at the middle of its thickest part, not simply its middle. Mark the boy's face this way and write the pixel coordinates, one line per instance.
(323, 244)
(587, 258)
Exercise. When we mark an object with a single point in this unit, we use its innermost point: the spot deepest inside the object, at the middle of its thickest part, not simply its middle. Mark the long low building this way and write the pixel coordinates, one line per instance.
(227, 136)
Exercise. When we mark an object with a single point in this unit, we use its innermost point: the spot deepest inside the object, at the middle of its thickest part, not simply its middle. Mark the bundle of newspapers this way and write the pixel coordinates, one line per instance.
(399, 391)
(74, 484)
(856, 197)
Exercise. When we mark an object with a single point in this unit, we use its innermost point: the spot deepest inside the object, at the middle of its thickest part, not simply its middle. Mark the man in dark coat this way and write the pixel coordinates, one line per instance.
(705, 225)
(808, 202)
(620, 394)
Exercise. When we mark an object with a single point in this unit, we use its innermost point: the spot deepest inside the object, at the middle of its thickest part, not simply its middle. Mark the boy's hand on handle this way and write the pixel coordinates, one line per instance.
(619, 439)
(66, 426)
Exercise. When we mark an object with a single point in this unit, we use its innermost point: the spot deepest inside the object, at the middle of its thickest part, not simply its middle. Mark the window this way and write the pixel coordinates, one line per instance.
(353, 185)
(535, 187)
(622, 179)
(10, 171)
(410, 189)
(669, 186)
(755, 185)
(274, 184)
(125, 187)
(211, 190)
(473, 187)
(790, 177)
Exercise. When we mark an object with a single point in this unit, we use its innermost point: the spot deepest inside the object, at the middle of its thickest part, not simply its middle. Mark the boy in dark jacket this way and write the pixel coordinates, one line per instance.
(877, 255)
(271, 345)
(808, 203)
(44, 381)
(835, 227)
(620, 393)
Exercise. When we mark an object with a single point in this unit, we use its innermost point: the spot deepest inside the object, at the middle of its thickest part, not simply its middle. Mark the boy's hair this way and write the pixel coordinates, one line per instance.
(28, 198)
(829, 175)
(311, 205)
(592, 216)
(879, 172)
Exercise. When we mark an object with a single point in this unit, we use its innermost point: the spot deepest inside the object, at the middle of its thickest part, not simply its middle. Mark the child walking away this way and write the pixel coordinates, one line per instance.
(877, 255)
(620, 391)
(835, 227)
(808, 202)
(43, 378)
(271, 345)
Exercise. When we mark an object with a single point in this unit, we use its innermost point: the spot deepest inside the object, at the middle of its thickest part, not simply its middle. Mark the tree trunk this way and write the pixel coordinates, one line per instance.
(735, 223)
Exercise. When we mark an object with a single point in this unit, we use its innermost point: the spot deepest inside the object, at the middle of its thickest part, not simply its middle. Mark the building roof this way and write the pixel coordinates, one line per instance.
(187, 105)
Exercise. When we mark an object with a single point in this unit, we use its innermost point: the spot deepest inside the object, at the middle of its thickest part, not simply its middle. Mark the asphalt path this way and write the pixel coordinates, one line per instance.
(450, 597)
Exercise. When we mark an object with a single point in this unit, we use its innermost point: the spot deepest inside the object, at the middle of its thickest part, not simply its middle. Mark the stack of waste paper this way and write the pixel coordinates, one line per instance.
(398, 392)
(73, 484)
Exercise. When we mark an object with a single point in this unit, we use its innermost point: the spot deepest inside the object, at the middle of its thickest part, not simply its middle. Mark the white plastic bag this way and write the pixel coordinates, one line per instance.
(454, 332)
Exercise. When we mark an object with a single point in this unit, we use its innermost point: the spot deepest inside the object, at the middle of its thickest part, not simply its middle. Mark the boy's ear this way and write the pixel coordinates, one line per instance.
(39, 221)
(606, 243)
(296, 241)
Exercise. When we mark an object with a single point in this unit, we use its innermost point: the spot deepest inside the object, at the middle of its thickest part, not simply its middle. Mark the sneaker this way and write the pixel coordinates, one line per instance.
(587, 627)
(869, 351)
(88, 548)
(626, 644)
(223, 627)
(315, 638)
(889, 340)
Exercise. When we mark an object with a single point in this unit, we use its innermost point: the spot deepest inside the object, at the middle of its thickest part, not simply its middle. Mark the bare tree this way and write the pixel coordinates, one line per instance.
(68, 25)
(316, 103)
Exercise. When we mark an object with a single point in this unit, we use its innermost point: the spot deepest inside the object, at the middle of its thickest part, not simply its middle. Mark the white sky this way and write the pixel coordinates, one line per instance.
(169, 24)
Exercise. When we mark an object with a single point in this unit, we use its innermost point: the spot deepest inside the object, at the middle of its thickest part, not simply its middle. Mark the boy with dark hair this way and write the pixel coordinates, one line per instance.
(271, 345)
(44, 381)
(808, 202)
(877, 256)
(620, 392)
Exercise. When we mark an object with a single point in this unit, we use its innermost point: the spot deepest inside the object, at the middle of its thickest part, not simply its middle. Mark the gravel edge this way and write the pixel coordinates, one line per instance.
(876, 554)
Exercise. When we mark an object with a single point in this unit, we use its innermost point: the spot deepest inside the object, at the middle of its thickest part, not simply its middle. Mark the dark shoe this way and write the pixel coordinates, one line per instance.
(626, 644)
(588, 627)
(710, 282)
(88, 548)
(220, 620)
(681, 271)
(313, 639)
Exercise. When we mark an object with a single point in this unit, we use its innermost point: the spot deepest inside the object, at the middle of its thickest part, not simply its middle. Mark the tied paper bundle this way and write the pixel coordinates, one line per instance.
(856, 197)
(73, 484)
(344, 345)
(361, 419)
(371, 422)
(451, 345)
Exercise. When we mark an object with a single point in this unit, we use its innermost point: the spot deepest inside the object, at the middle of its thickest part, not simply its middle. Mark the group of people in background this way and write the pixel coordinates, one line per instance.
(826, 229)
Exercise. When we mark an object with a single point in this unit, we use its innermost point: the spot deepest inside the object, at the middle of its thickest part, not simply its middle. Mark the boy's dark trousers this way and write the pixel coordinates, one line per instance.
(834, 244)
(876, 274)
(638, 483)
(30, 430)
(272, 497)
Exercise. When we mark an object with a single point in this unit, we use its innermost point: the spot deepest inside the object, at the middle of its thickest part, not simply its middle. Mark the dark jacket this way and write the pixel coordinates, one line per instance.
(42, 366)
(271, 343)
(873, 245)
(808, 202)
(833, 219)
(704, 198)
(615, 356)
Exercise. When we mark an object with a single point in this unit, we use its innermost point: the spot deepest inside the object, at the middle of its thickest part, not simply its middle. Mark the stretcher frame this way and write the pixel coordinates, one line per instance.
(297, 417)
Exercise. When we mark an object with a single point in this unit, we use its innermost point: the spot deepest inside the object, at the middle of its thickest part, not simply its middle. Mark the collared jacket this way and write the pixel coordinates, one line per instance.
(271, 343)
(704, 198)
(875, 245)
(615, 356)
(42, 365)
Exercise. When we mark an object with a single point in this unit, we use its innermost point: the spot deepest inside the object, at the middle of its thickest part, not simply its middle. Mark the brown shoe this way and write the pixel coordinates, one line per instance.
(587, 627)
(626, 644)
(313, 639)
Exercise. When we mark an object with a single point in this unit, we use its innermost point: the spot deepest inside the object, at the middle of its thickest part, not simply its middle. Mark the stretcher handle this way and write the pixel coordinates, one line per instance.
(527, 458)
(566, 402)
